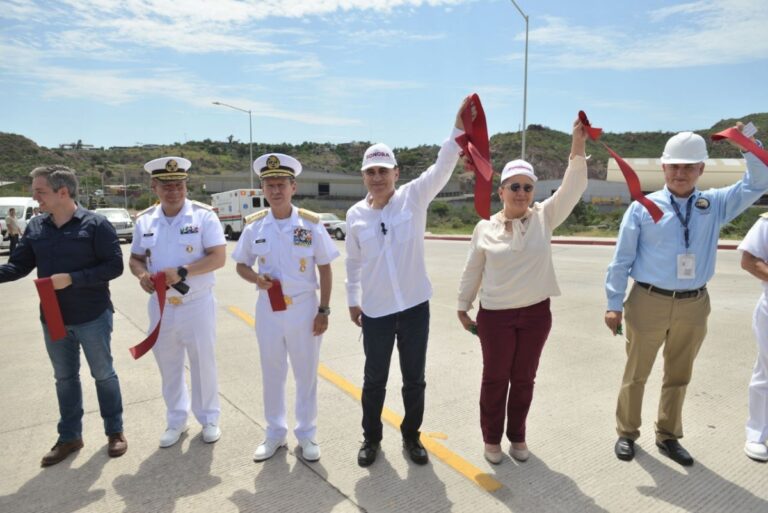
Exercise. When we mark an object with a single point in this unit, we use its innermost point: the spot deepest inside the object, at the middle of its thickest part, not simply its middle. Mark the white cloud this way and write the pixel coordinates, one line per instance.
(304, 68)
(681, 36)
(390, 37)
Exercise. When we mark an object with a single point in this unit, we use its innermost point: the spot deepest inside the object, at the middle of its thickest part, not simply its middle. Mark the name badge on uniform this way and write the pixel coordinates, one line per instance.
(686, 266)
(259, 241)
(148, 234)
(302, 237)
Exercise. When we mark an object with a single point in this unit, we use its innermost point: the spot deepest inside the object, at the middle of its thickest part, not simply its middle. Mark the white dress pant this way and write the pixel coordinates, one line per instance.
(284, 335)
(189, 328)
(757, 423)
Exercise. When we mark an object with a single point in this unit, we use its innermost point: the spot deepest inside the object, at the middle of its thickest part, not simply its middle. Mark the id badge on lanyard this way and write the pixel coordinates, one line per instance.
(686, 262)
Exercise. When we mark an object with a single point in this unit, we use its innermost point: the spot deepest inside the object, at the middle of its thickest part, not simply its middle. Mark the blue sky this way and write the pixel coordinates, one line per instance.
(121, 72)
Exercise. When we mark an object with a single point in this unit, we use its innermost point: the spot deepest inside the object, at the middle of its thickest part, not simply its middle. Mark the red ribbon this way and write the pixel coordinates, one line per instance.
(51, 310)
(276, 297)
(145, 345)
(633, 182)
(477, 152)
(735, 135)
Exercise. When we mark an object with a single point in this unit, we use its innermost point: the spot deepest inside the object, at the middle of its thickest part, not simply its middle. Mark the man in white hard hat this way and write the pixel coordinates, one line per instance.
(670, 262)
(388, 289)
(184, 240)
(288, 243)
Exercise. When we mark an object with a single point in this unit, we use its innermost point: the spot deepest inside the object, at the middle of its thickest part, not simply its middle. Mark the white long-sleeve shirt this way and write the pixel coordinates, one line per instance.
(386, 272)
(514, 269)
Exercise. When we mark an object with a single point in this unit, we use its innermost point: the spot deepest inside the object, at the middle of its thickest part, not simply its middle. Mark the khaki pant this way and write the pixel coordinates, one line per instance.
(653, 320)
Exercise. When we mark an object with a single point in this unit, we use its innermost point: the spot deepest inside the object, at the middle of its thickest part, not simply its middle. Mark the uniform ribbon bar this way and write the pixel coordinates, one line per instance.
(51, 310)
(477, 152)
(633, 182)
(145, 345)
(748, 144)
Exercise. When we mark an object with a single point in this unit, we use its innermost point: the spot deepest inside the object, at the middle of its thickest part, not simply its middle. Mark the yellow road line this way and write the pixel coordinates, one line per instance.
(453, 460)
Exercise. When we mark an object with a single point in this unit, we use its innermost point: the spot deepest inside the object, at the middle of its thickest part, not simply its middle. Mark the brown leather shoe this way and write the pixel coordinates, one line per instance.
(117, 445)
(60, 451)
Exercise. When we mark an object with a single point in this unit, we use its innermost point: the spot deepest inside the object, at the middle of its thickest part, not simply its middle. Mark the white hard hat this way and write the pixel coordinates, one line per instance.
(685, 148)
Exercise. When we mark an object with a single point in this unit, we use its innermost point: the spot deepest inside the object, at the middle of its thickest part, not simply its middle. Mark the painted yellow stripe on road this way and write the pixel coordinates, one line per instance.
(453, 460)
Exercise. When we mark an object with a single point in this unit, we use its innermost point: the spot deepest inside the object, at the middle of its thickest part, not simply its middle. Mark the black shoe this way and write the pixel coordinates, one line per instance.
(416, 451)
(624, 449)
(675, 452)
(367, 453)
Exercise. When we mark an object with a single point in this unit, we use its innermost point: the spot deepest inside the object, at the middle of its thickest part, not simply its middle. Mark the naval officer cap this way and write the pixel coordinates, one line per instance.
(278, 165)
(168, 168)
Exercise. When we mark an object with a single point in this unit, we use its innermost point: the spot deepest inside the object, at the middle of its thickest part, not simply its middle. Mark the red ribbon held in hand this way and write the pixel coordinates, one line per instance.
(477, 152)
(51, 310)
(748, 144)
(633, 182)
(145, 345)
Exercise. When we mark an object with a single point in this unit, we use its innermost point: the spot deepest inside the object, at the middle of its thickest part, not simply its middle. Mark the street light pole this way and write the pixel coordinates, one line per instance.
(125, 190)
(250, 136)
(525, 79)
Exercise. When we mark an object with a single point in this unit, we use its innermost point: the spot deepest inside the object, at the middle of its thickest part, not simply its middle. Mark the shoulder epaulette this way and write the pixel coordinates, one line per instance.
(765, 215)
(202, 205)
(309, 215)
(256, 216)
(146, 210)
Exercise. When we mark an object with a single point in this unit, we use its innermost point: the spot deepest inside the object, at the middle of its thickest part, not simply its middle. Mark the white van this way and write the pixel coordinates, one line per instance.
(234, 206)
(24, 211)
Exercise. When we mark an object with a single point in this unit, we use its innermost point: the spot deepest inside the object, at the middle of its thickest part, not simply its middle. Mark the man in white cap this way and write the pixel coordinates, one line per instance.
(184, 240)
(671, 262)
(388, 290)
(288, 243)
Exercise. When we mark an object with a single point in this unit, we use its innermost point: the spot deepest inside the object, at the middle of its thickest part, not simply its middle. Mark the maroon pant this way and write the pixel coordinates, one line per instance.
(512, 341)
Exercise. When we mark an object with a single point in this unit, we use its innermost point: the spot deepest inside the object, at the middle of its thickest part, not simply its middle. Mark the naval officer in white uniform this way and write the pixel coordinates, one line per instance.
(183, 239)
(288, 243)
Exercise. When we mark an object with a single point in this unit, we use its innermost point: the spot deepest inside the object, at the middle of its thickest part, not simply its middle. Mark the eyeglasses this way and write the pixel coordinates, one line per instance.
(514, 187)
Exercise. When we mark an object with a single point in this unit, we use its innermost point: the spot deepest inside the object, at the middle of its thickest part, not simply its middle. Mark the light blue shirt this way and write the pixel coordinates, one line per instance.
(648, 252)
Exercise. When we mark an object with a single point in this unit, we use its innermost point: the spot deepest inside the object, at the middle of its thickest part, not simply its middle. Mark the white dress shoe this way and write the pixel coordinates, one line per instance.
(519, 454)
(267, 449)
(310, 451)
(171, 436)
(756, 451)
(211, 433)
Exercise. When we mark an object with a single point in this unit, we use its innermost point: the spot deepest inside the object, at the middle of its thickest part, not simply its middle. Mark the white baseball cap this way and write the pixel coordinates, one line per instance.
(276, 164)
(518, 167)
(685, 148)
(379, 155)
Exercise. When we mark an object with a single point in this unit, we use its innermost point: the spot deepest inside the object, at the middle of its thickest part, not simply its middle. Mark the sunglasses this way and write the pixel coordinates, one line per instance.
(514, 187)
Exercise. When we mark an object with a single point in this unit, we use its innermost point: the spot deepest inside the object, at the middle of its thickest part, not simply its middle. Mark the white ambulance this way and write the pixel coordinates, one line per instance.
(233, 207)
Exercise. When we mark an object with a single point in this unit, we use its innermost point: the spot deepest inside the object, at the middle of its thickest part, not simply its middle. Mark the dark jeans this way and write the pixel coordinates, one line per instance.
(14, 240)
(512, 342)
(411, 329)
(94, 337)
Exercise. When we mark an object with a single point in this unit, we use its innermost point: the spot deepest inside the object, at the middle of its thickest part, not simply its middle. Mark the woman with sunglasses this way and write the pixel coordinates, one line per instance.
(510, 265)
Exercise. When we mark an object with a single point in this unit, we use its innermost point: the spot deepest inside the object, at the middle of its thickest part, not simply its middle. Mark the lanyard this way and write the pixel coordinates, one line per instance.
(687, 219)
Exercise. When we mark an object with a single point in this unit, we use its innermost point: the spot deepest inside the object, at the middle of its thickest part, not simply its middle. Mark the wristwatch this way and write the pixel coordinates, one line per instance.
(182, 272)
(325, 310)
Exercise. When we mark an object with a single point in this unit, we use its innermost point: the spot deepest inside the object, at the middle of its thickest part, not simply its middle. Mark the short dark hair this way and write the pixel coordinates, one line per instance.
(58, 176)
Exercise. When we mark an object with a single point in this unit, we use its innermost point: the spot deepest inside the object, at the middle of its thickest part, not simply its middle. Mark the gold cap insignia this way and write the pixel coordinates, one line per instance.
(273, 162)
(171, 166)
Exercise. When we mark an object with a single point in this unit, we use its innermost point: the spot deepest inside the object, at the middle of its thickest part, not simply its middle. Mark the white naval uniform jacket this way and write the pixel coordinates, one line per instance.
(386, 272)
(289, 255)
(194, 229)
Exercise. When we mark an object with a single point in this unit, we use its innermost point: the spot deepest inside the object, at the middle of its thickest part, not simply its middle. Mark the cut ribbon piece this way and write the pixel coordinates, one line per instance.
(51, 311)
(145, 345)
(477, 152)
(633, 182)
(735, 135)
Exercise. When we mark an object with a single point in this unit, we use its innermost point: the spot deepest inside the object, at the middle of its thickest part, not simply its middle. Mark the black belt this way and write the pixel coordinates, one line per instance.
(677, 294)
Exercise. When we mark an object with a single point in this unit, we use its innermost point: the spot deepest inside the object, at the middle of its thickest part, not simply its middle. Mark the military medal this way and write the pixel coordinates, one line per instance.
(303, 265)
(190, 249)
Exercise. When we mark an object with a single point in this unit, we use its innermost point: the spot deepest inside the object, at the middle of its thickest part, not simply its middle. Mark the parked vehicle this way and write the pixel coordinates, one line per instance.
(121, 220)
(24, 212)
(234, 206)
(335, 226)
